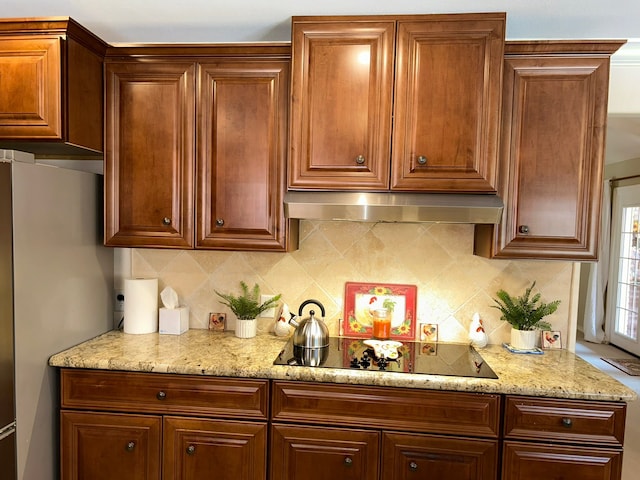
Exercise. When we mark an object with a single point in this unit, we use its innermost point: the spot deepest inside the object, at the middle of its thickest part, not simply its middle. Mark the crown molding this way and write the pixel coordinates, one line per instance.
(628, 54)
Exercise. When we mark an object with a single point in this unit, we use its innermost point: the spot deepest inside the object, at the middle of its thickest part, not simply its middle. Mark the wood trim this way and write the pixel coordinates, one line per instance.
(268, 51)
(55, 26)
(563, 47)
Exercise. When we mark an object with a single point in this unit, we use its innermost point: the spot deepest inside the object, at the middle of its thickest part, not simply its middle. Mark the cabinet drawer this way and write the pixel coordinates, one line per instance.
(412, 410)
(528, 461)
(564, 420)
(164, 393)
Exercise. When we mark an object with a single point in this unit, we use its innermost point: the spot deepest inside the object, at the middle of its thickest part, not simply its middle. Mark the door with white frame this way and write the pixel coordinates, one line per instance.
(623, 297)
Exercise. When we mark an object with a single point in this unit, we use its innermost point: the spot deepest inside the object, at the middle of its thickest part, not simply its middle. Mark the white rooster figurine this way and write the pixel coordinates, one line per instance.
(477, 335)
(281, 327)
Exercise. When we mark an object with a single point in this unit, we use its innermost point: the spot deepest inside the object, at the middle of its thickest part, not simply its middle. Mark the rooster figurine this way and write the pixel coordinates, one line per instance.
(282, 328)
(477, 335)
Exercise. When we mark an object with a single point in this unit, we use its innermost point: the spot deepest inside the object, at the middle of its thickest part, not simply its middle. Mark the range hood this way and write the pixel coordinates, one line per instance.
(394, 207)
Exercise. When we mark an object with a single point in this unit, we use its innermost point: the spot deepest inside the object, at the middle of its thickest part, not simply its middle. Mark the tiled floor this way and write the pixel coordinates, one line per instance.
(592, 353)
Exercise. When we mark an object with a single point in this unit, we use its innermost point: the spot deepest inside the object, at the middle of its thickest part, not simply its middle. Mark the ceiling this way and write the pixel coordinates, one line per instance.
(135, 21)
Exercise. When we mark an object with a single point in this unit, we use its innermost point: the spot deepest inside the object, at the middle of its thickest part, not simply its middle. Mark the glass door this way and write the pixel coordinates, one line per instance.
(624, 285)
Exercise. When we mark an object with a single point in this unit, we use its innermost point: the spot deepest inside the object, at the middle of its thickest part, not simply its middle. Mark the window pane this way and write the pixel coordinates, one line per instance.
(626, 318)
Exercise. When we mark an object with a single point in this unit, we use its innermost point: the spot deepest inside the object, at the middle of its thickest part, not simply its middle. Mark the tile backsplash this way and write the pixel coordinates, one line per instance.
(452, 283)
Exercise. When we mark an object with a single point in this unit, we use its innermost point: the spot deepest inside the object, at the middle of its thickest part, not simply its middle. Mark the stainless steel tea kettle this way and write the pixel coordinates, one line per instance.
(310, 332)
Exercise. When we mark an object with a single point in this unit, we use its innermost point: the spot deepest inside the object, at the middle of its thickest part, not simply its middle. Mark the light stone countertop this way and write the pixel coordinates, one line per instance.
(556, 373)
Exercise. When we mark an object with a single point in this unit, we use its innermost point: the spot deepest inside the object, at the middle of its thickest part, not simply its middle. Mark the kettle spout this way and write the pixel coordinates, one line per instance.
(292, 320)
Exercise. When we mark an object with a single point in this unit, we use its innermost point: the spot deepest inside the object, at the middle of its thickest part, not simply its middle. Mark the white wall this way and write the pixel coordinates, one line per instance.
(256, 20)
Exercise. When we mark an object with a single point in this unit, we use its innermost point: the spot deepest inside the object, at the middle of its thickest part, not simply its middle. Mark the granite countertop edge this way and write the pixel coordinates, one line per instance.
(555, 374)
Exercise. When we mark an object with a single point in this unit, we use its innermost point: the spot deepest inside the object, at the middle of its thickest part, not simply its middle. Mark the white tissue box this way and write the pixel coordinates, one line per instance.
(174, 321)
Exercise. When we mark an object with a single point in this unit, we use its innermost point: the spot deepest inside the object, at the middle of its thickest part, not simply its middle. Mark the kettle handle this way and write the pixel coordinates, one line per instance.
(307, 302)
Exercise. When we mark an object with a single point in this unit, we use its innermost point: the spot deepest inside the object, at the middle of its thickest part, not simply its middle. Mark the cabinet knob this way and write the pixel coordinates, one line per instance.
(360, 159)
(161, 395)
(191, 449)
(348, 461)
(219, 222)
(166, 221)
(422, 160)
(567, 422)
(523, 229)
(130, 446)
(413, 466)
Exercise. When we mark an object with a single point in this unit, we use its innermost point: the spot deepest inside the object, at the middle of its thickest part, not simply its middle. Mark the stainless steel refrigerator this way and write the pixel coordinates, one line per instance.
(56, 285)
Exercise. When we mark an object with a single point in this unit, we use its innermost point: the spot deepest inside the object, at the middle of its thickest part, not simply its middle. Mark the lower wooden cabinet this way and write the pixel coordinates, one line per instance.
(319, 453)
(107, 446)
(151, 426)
(196, 448)
(526, 461)
(382, 433)
(140, 426)
(409, 456)
(574, 439)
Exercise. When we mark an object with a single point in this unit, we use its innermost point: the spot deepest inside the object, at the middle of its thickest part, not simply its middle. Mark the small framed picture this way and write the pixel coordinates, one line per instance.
(217, 321)
(361, 299)
(428, 332)
(551, 339)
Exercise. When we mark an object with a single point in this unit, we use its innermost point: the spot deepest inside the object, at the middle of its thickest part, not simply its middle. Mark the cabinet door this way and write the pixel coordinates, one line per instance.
(341, 103)
(30, 97)
(526, 461)
(316, 453)
(447, 103)
(408, 456)
(202, 449)
(100, 446)
(149, 159)
(242, 154)
(554, 120)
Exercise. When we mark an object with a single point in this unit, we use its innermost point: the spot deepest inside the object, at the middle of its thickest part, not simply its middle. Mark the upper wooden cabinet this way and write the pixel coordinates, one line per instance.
(396, 102)
(196, 147)
(242, 149)
(552, 153)
(51, 100)
(149, 158)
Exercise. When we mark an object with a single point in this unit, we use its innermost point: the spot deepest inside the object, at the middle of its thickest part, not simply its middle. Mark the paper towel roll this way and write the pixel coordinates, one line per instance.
(140, 305)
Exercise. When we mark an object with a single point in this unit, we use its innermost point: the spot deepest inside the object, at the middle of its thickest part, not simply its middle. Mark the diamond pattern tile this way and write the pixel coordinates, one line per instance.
(452, 283)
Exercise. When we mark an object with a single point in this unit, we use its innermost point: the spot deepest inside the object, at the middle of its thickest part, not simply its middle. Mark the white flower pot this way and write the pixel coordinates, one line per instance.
(246, 328)
(524, 339)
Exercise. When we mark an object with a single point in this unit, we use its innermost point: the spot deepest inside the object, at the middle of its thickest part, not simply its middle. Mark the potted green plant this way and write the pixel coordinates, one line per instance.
(247, 308)
(525, 315)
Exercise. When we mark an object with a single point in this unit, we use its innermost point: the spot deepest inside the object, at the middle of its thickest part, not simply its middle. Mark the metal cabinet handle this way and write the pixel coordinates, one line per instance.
(566, 421)
(360, 160)
(161, 395)
(219, 222)
(130, 446)
(523, 229)
(348, 461)
(166, 221)
(413, 466)
(191, 449)
(422, 160)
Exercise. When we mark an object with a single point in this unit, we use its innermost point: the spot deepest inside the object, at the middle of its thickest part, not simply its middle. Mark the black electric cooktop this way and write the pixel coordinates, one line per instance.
(452, 359)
